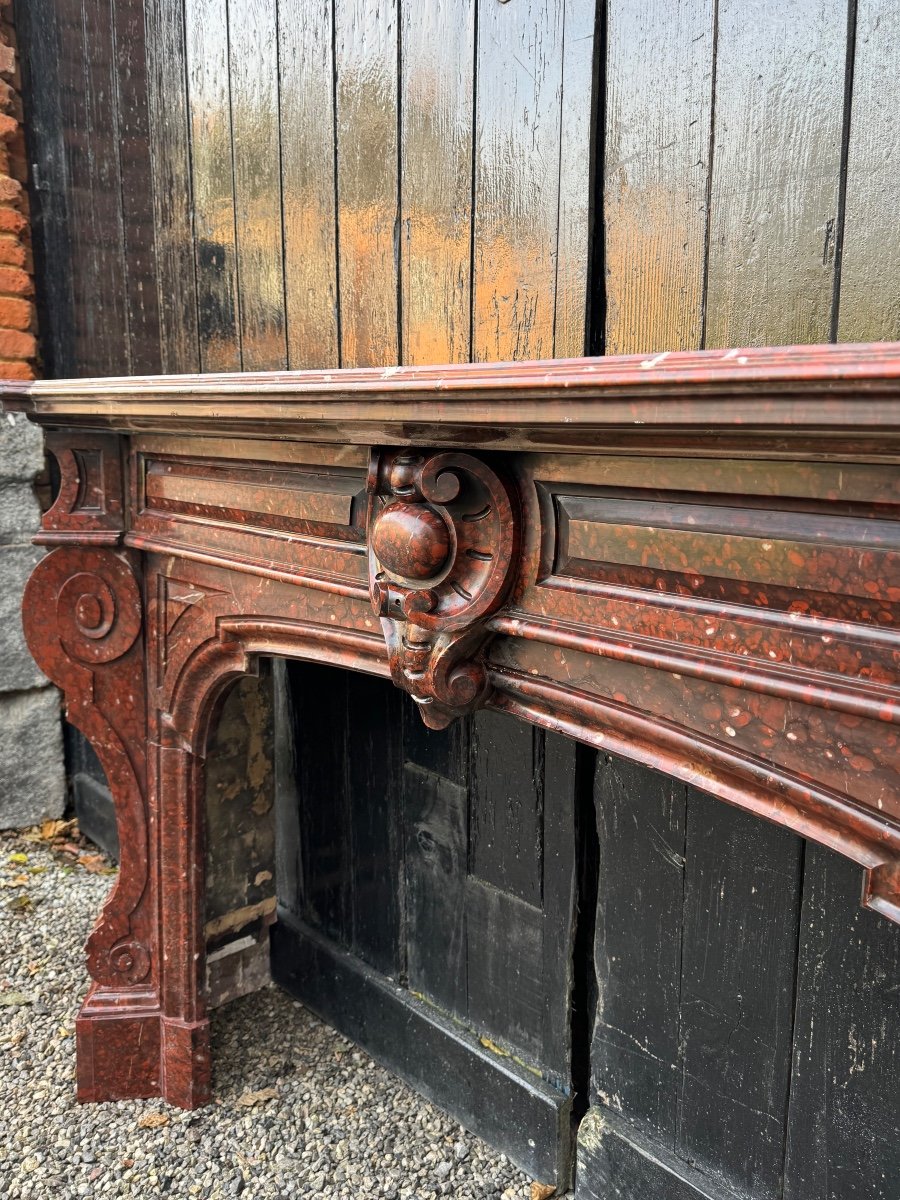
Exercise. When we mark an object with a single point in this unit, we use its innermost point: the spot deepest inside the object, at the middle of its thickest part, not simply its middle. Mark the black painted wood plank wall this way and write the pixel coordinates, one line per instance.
(359, 182)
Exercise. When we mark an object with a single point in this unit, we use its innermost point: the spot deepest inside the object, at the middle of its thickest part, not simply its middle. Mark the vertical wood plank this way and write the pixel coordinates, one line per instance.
(870, 270)
(319, 696)
(507, 801)
(209, 99)
(658, 104)
(368, 194)
(504, 944)
(137, 186)
(172, 192)
(100, 316)
(43, 81)
(559, 852)
(442, 751)
(517, 157)
(779, 95)
(253, 54)
(573, 224)
(435, 824)
(641, 821)
(102, 270)
(374, 782)
(742, 889)
(845, 1101)
(306, 73)
(436, 88)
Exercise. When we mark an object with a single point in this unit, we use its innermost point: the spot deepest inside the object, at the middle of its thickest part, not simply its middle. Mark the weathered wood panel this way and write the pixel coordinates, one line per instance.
(212, 178)
(735, 1012)
(367, 157)
(132, 136)
(638, 946)
(870, 260)
(507, 789)
(306, 75)
(573, 230)
(435, 818)
(437, 63)
(100, 282)
(172, 190)
(253, 71)
(517, 143)
(40, 57)
(322, 898)
(659, 83)
(845, 1102)
(779, 96)
(373, 770)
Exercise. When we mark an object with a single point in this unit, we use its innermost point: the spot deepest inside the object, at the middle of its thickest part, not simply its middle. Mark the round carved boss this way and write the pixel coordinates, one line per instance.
(412, 540)
(92, 596)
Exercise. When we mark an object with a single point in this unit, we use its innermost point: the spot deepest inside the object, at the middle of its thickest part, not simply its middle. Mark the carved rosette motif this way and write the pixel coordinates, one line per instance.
(82, 616)
(443, 532)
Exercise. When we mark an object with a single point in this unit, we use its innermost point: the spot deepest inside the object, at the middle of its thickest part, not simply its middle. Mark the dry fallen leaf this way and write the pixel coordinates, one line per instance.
(250, 1098)
(21, 904)
(153, 1120)
(542, 1191)
(19, 859)
(96, 864)
(52, 829)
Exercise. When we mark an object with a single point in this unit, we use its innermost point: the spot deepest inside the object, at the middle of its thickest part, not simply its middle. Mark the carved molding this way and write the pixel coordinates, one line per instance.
(443, 534)
(90, 503)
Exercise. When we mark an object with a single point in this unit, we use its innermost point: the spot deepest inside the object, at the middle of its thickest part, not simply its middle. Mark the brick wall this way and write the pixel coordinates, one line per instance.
(18, 348)
(32, 780)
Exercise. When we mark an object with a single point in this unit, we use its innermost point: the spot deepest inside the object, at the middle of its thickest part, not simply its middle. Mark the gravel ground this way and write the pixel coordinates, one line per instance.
(298, 1110)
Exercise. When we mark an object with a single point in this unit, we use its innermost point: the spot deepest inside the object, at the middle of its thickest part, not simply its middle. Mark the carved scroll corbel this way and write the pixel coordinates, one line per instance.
(443, 533)
(82, 619)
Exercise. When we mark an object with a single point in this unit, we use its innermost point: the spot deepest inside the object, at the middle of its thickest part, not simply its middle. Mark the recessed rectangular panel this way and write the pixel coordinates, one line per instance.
(328, 501)
(666, 545)
(268, 496)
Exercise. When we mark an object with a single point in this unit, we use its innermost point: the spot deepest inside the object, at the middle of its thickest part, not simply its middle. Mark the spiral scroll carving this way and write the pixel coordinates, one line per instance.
(443, 532)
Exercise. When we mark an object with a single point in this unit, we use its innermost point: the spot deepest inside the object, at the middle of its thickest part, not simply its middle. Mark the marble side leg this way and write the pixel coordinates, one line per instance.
(142, 1030)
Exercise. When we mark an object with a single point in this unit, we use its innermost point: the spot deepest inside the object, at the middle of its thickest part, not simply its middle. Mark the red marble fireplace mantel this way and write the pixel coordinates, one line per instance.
(687, 559)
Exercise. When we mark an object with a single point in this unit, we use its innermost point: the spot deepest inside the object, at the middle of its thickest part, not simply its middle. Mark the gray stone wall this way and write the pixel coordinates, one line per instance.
(32, 775)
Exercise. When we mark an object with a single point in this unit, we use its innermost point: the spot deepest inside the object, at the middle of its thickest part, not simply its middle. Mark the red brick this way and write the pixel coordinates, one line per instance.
(15, 313)
(16, 370)
(15, 344)
(15, 282)
(12, 252)
(11, 220)
(10, 189)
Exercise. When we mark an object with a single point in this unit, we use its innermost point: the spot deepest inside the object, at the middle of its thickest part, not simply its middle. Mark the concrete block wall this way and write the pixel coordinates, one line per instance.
(32, 775)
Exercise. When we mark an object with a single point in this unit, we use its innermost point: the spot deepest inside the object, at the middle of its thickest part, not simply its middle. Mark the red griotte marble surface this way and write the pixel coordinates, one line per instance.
(688, 559)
